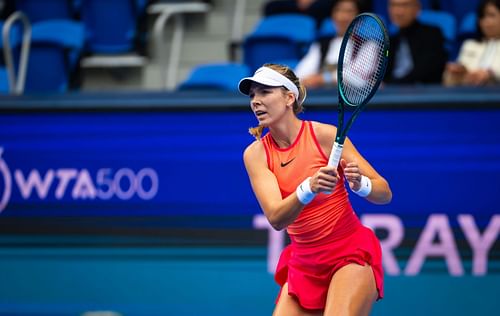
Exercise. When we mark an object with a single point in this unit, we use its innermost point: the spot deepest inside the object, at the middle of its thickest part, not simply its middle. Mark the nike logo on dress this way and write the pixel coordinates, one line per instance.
(284, 164)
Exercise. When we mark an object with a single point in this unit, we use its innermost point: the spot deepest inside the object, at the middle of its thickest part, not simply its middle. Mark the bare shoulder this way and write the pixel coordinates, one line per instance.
(325, 133)
(254, 152)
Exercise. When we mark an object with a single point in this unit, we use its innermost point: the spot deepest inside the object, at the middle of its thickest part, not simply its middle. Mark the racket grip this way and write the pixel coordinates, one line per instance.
(335, 154)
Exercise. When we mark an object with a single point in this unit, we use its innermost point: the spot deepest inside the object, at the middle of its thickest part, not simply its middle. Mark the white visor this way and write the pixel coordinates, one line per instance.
(268, 77)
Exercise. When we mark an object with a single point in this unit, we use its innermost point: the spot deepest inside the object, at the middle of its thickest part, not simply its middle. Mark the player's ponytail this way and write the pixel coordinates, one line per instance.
(256, 131)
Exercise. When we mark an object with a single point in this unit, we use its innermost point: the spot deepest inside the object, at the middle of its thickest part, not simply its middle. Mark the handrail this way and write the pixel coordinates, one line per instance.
(16, 86)
(165, 11)
(237, 22)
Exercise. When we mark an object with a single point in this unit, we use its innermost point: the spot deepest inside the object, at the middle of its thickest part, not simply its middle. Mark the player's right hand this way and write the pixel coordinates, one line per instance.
(324, 180)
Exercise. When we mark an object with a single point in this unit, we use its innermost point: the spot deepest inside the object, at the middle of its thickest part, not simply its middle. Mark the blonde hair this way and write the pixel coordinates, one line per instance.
(297, 106)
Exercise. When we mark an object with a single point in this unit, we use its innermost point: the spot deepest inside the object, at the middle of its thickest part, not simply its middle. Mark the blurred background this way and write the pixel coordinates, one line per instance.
(122, 185)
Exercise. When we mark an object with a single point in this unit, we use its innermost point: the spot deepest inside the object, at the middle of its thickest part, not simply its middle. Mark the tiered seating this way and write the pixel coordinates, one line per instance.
(111, 30)
(56, 46)
(66, 30)
(218, 76)
(282, 38)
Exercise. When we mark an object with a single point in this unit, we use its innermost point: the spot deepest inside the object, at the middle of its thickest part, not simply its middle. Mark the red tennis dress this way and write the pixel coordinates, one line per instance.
(327, 234)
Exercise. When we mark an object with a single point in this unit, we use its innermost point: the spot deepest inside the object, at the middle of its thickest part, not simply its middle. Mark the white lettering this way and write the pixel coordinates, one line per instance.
(480, 245)
(153, 176)
(105, 180)
(275, 244)
(129, 192)
(124, 183)
(64, 176)
(84, 187)
(395, 234)
(34, 181)
(437, 226)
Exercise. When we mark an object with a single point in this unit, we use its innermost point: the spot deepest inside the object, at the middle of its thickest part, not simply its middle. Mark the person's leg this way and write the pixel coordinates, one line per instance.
(288, 306)
(352, 291)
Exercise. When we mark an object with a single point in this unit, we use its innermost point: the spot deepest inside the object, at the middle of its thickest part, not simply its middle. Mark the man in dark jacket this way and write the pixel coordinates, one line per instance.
(418, 53)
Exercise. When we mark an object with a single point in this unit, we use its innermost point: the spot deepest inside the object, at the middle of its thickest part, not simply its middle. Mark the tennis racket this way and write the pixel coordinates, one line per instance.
(363, 58)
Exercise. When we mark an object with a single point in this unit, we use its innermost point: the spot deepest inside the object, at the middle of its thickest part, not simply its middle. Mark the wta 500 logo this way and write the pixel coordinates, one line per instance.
(105, 184)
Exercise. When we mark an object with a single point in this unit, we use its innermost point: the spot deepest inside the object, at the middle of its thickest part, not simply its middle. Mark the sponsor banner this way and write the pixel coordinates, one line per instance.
(442, 166)
(134, 164)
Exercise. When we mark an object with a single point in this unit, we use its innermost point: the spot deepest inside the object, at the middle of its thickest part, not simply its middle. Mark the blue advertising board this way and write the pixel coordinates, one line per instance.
(183, 170)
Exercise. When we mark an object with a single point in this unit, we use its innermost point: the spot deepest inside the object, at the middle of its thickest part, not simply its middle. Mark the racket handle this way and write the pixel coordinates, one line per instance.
(335, 154)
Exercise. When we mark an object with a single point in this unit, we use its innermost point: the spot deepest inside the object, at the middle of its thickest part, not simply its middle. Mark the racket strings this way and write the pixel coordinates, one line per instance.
(363, 60)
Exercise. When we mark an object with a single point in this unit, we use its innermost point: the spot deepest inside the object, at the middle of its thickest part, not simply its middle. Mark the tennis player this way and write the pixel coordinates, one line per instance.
(333, 263)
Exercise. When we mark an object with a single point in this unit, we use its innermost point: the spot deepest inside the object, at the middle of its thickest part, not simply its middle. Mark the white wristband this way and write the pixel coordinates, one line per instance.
(304, 193)
(366, 187)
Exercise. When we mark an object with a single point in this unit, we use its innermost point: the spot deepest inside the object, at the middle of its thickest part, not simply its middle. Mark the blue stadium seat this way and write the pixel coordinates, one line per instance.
(218, 76)
(38, 10)
(4, 81)
(111, 25)
(459, 8)
(56, 46)
(277, 38)
(445, 21)
(467, 27)
(326, 29)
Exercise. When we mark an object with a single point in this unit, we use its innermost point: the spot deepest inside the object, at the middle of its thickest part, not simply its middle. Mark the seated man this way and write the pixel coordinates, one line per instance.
(418, 53)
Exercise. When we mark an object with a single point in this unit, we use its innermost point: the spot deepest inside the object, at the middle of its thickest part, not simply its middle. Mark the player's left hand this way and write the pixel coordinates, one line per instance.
(352, 174)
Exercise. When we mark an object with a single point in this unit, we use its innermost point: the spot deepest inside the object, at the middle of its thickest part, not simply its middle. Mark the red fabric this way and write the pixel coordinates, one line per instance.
(309, 269)
(320, 218)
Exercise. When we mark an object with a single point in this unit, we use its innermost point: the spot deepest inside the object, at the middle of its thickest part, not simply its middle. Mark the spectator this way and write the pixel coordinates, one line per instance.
(418, 53)
(478, 61)
(317, 9)
(318, 68)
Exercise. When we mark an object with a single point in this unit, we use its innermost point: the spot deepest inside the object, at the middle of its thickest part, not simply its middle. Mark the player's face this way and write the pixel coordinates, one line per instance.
(403, 12)
(268, 103)
(343, 13)
(490, 22)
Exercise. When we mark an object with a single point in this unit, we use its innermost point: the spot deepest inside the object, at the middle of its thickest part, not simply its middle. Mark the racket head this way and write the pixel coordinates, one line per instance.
(363, 59)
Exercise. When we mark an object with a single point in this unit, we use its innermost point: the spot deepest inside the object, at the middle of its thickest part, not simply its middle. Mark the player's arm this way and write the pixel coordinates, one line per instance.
(279, 212)
(355, 166)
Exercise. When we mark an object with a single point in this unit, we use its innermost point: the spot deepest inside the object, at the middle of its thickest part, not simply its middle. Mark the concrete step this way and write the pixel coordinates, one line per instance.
(206, 40)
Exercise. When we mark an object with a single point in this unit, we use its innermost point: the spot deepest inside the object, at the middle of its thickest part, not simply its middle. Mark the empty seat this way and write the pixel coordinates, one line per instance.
(327, 29)
(111, 25)
(468, 26)
(38, 10)
(4, 81)
(459, 8)
(218, 76)
(278, 38)
(56, 46)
